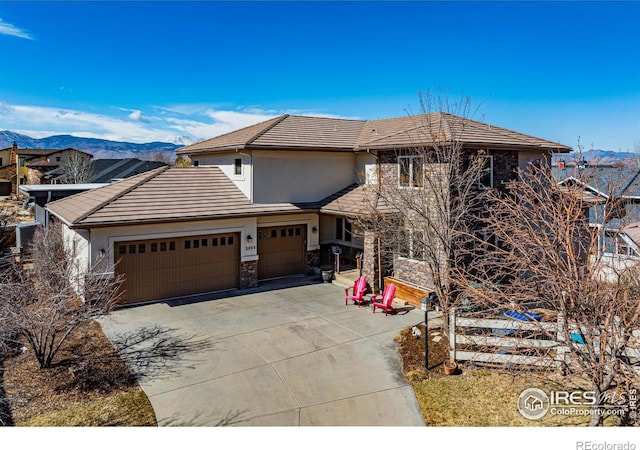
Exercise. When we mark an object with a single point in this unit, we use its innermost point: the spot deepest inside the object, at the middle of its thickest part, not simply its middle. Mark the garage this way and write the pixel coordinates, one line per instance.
(282, 251)
(156, 269)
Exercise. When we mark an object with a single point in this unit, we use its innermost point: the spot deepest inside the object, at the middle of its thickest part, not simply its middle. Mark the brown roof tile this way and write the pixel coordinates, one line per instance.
(442, 127)
(352, 200)
(321, 133)
(311, 133)
(42, 151)
(168, 193)
(230, 141)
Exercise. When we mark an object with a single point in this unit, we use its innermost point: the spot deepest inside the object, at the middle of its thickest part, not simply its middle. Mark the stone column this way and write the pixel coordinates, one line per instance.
(370, 259)
(248, 274)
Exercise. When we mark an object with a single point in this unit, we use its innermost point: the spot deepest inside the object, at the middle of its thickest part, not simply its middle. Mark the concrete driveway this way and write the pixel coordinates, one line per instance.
(286, 356)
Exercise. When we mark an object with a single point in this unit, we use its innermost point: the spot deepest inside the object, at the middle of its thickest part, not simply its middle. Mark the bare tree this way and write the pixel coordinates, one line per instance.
(75, 167)
(165, 157)
(541, 249)
(43, 302)
(433, 198)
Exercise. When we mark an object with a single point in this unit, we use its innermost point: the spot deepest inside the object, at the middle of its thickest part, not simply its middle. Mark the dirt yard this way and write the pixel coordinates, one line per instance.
(88, 370)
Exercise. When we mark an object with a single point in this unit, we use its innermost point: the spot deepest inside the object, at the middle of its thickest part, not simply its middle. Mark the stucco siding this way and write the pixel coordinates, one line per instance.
(366, 168)
(226, 163)
(77, 244)
(286, 176)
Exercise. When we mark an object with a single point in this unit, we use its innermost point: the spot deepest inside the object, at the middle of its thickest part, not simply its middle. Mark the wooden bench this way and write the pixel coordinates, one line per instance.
(408, 292)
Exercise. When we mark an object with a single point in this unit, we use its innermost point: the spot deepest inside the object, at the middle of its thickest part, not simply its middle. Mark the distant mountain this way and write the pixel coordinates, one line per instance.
(99, 148)
(596, 156)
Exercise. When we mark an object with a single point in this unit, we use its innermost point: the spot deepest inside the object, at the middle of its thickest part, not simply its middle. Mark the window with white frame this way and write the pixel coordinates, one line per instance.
(411, 245)
(410, 171)
(485, 180)
(344, 230)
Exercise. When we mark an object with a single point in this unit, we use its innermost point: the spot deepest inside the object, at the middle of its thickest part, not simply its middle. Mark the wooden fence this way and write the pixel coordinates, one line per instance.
(509, 341)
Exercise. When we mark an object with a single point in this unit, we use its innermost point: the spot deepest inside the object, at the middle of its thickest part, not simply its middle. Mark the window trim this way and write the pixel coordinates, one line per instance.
(411, 181)
(408, 245)
(237, 167)
(481, 185)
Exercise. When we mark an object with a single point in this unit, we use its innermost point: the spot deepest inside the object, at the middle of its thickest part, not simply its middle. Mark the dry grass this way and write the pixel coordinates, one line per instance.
(125, 409)
(473, 397)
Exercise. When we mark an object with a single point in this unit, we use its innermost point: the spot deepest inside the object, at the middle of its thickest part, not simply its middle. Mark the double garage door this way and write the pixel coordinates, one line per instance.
(163, 268)
(156, 269)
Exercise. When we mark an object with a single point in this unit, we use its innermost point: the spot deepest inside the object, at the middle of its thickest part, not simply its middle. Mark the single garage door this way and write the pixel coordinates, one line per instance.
(282, 251)
(163, 268)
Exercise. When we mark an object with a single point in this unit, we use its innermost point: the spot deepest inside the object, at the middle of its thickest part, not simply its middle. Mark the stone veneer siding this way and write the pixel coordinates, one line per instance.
(313, 260)
(248, 274)
(370, 260)
(505, 163)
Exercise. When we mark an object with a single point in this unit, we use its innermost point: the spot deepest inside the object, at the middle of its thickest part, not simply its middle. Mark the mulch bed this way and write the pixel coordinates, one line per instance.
(412, 352)
(87, 368)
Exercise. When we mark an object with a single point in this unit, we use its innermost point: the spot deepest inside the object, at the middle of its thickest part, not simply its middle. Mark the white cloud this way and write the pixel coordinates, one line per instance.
(178, 124)
(12, 30)
(42, 121)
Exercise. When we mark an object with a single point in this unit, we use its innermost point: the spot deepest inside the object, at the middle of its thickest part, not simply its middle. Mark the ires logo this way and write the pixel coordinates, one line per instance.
(535, 403)
(575, 398)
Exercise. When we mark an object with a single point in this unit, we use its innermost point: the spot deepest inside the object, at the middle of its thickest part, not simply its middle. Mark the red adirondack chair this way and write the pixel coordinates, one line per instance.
(358, 289)
(386, 301)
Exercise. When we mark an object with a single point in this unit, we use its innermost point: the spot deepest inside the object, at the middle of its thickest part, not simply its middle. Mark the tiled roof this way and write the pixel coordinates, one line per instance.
(105, 170)
(311, 133)
(423, 129)
(41, 162)
(42, 151)
(234, 140)
(164, 194)
(320, 133)
(352, 200)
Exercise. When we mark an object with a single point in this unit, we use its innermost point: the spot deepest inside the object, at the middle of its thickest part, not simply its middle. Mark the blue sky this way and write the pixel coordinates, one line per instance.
(144, 71)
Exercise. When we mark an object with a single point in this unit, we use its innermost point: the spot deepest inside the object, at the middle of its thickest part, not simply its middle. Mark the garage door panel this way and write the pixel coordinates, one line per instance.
(282, 251)
(163, 268)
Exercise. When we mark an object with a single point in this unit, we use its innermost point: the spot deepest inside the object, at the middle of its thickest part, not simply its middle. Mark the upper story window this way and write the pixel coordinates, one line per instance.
(410, 171)
(58, 159)
(196, 163)
(485, 180)
(21, 161)
(237, 166)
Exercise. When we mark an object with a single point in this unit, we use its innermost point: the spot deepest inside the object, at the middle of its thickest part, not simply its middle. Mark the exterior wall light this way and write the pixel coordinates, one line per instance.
(249, 238)
(314, 230)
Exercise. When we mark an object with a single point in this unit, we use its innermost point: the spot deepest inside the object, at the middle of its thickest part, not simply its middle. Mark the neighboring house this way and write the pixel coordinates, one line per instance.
(618, 243)
(28, 165)
(7, 171)
(269, 200)
(45, 193)
(102, 172)
(108, 170)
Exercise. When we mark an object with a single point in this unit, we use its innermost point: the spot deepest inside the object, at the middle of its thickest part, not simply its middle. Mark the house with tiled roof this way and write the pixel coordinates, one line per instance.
(29, 165)
(612, 193)
(270, 200)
